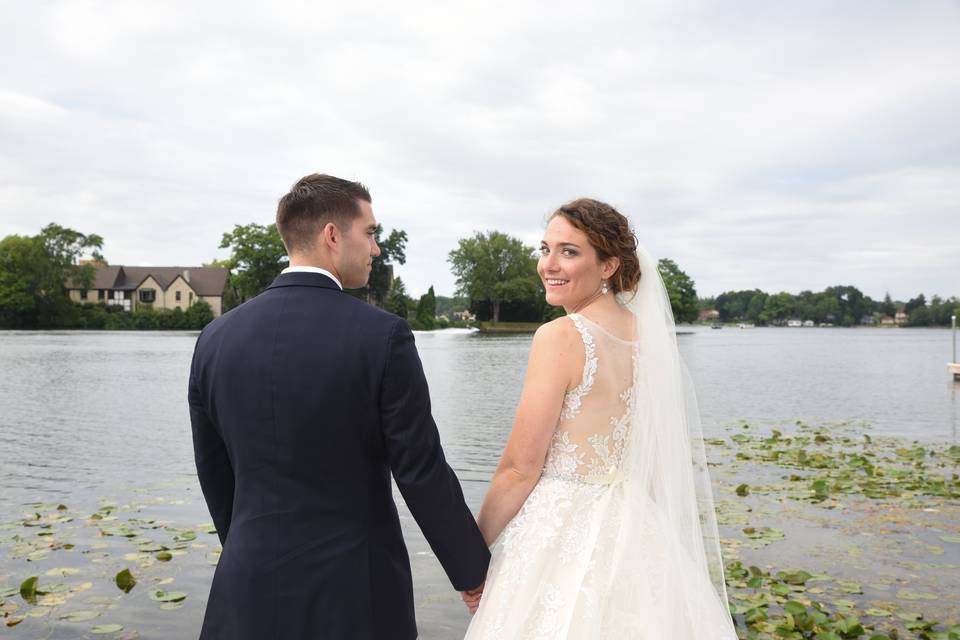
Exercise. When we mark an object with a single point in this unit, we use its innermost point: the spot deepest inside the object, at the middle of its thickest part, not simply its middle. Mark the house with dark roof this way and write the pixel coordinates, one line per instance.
(157, 287)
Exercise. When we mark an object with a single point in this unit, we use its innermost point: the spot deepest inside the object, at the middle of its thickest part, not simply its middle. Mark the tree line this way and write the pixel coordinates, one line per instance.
(844, 306)
(34, 274)
(496, 279)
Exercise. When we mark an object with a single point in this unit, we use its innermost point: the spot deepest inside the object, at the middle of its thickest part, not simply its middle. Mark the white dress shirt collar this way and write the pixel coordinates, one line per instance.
(306, 269)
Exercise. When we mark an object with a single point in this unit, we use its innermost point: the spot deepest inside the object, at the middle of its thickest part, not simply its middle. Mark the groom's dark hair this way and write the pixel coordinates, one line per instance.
(314, 201)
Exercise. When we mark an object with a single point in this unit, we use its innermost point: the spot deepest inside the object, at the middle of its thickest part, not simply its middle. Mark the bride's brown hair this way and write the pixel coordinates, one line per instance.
(609, 234)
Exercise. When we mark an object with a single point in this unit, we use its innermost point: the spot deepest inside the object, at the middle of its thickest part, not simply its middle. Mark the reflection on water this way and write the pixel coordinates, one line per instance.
(85, 415)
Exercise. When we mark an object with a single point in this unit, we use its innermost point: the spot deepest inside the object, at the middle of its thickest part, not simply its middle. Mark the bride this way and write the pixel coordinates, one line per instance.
(600, 512)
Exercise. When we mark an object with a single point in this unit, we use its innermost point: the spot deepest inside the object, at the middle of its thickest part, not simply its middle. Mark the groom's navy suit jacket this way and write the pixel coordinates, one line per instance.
(303, 400)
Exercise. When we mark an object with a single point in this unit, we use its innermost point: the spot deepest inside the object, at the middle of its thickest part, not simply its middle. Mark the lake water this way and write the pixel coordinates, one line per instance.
(89, 419)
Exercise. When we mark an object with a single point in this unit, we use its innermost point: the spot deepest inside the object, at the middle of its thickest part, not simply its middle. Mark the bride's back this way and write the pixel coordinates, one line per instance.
(590, 436)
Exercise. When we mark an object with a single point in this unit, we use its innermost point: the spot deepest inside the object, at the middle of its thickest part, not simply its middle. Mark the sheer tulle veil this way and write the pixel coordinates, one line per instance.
(667, 487)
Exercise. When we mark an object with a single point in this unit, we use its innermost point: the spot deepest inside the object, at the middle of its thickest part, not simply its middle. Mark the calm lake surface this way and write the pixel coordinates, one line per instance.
(89, 419)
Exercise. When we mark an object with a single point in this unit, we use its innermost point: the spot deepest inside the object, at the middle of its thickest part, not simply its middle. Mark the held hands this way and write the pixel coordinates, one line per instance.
(472, 598)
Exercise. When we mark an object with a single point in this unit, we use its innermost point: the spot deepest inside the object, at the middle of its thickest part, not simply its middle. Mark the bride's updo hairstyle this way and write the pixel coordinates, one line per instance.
(609, 234)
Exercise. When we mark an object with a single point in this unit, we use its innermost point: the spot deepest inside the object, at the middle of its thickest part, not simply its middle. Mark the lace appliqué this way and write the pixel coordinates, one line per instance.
(562, 459)
(546, 622)
(574, 398)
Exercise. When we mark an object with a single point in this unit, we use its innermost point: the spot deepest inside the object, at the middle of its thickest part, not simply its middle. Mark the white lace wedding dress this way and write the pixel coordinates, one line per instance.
(554, 573)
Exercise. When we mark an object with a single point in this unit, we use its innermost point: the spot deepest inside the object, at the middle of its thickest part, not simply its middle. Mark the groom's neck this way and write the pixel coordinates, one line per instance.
(323, 262)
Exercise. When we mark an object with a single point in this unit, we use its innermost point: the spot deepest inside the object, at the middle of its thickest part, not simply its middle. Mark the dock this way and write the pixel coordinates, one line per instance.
(954, 369)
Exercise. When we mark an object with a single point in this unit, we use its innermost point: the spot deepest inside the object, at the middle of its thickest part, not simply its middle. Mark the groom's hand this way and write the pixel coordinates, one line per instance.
(472, 598)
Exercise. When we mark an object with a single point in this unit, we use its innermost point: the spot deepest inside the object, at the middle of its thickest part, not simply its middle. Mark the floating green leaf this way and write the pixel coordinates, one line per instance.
(167, 596)
(125, 581)
(28, 589)
(80, 616)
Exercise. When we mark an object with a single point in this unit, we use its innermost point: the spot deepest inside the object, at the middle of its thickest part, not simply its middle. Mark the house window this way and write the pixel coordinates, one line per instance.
(100, 295)
(178, 295)
(191, 297)
(118, 297)
(83, 294)
(148, 296)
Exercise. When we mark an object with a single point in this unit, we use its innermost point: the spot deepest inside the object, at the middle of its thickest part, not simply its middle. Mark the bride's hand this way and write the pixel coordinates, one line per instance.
(472, 598)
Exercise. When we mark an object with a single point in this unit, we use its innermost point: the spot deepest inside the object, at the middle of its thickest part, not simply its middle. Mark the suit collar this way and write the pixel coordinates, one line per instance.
(304, 279)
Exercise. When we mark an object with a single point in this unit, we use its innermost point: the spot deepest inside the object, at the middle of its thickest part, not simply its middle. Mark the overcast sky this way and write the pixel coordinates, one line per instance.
(778, 145)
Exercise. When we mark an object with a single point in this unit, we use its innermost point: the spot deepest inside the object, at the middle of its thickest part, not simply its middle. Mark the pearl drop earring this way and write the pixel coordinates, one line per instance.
(603, 289)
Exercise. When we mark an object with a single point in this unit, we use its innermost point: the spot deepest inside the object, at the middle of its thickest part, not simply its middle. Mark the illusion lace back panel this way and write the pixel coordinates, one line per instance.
(589, 439)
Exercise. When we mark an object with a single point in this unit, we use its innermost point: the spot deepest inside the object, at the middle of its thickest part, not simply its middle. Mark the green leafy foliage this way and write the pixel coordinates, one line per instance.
(495, 268)
(35, 270)
(427, 311)
(681, 289)
(257, 256)
(840, 305)
(393, 248)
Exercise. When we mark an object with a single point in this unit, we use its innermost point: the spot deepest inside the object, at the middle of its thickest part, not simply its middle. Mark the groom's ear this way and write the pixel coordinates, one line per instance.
(330, 236)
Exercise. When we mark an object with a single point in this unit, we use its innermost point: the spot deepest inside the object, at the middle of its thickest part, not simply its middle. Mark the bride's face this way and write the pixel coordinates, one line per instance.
(569, 267)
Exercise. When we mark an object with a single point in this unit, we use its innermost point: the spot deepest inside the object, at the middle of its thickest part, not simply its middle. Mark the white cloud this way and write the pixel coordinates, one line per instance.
(758, 144)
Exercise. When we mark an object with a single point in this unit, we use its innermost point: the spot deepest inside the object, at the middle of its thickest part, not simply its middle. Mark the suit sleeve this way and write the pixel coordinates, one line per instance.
(210, 453)
(428, 484)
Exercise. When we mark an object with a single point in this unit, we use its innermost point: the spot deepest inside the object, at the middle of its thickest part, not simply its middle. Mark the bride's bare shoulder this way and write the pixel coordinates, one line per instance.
(557, 353)
(558, 335)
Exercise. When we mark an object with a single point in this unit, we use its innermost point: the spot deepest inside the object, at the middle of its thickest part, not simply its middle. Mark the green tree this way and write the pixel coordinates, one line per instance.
(398, 302)
(915, 303)
(735, 305)
(494, 267)
(919, 317)
(850, 307)
(427, 311)
(392, 250)
(22, 261)
(257, 256)
(778, 307)
(888, 307)
(35, 272)
(755, 307)
(681, 289)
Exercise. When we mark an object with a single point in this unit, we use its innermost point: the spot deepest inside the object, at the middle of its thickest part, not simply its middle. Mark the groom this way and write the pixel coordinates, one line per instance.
(303, 401)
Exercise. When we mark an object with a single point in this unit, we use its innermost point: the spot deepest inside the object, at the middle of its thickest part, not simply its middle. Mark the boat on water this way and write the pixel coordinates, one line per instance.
(716, 325)
(745, 325)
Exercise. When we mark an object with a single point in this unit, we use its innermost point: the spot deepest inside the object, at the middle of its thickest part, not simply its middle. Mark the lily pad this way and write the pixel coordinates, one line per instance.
(167, 596)
(106, 628)
(125, 581)
(80, 616)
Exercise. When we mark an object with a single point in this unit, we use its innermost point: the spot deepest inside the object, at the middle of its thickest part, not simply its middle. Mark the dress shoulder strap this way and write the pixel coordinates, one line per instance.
(574, 397)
